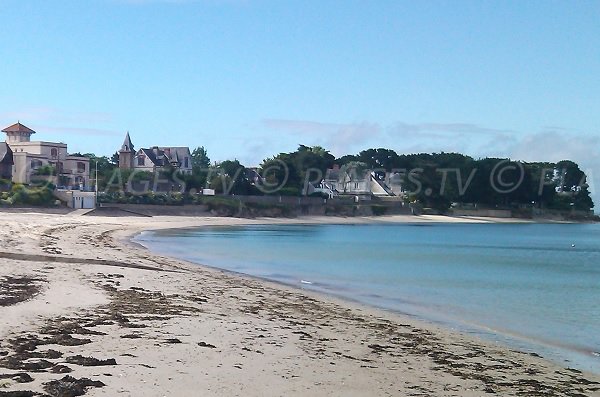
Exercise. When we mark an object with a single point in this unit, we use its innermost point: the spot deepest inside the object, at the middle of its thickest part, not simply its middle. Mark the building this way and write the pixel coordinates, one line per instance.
(47, 161)
(126, 153)
(361, 184)
(348, 181)
(6, 161)
(154, 158)
(76, 199)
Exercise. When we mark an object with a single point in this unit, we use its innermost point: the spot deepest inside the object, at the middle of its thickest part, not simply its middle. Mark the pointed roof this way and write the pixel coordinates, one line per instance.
(6, 154)
(18, 127)
(127, 145)
(151, 155)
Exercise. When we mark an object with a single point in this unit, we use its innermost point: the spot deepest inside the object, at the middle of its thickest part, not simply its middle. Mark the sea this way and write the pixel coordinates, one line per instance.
(532, 287)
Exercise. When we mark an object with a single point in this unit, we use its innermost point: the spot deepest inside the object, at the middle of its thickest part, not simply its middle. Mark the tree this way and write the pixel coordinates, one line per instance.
(200, 158)
(291, 171)
(311, 162)
(572, 186)
(280, 172)
(232, 178)
(570, 177)
(105, 168)
(346, 159)
(114, 159)
(379, 158)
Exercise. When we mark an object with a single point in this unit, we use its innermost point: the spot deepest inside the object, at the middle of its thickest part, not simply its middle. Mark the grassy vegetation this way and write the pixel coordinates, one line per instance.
(19, 194)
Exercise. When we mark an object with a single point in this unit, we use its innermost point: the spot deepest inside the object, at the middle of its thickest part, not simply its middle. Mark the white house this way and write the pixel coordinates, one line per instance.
(362, 184)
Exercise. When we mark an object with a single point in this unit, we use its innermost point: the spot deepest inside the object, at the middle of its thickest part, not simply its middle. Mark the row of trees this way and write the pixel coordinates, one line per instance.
(436, 180)
(439, 179)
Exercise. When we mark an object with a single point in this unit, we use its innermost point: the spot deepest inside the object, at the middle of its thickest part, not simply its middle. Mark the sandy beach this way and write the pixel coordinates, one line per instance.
(82, 309)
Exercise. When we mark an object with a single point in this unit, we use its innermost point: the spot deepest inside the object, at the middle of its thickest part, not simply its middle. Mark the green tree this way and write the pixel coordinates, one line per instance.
(200, 158)
(279, 173)
(106, 168)
(114, 159)
(570, 176)
(290, 171)
(232, 178)
(348, 158)
(572, 186)
(379, 158)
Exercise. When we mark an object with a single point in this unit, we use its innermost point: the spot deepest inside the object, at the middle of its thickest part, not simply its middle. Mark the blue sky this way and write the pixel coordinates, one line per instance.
(248, 79)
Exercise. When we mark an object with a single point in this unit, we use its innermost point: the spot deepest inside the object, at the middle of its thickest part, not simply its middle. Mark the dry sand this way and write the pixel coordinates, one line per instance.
(75, 294)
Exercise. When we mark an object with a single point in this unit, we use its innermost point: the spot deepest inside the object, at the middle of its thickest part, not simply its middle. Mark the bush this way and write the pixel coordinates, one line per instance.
(288, 191)
(149, 198)
(20, 194)
(17, 187)
(222, 205)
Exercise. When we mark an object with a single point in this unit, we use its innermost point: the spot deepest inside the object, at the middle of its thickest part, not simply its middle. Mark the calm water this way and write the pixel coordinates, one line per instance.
(522, 284)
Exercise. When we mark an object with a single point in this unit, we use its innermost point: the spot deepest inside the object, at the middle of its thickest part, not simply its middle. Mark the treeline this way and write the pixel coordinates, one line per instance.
(435, 180)
(439, 179)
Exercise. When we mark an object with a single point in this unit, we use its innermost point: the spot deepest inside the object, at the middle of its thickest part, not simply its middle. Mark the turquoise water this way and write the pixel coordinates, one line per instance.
(532, 286)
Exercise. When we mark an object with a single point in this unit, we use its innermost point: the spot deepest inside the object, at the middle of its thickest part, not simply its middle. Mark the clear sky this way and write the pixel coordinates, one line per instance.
(248, 79)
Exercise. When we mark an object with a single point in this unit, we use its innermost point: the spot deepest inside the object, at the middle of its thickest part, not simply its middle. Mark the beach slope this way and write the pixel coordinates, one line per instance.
(83, 309)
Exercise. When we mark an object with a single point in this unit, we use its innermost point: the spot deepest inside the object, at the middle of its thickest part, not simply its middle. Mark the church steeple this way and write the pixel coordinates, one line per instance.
(127, 145)
(126, 153)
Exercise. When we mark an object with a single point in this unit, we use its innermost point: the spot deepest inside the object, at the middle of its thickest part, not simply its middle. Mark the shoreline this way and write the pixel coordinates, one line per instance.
(501, 338)
(182, 328)
(553, 351)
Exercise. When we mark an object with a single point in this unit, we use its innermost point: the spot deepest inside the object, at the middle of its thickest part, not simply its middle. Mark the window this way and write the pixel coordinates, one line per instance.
(36, 163)
(80, 167)
(185, 163)
(54, 152)
(356, 185)
(141, 160)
